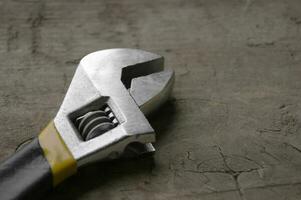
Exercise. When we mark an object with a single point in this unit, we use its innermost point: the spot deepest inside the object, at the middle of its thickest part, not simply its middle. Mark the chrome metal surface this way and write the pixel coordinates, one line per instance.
(125, 79)
(149, 92)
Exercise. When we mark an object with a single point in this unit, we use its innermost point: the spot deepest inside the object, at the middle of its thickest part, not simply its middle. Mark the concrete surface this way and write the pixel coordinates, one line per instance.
(232, 129)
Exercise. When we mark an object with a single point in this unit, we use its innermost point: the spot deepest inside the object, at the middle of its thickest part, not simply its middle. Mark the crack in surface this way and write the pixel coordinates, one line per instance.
(189, 156)
(238, 188)
(226, 169)
(264, 150)
(293, 147)
(36, 21)
(13, 35)
(233, 173)
(263, 44)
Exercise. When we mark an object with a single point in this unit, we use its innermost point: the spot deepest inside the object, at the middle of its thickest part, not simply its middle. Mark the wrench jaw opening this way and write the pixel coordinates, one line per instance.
(100, 116)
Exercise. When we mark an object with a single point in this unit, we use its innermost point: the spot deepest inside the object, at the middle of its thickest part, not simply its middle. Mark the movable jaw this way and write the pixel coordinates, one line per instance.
(101, 113)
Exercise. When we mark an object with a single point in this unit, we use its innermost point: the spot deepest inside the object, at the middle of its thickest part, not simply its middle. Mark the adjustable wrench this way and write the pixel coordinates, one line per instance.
(103, 113)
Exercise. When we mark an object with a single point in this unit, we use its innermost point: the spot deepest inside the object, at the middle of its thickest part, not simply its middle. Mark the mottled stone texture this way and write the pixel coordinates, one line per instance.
(232, 129)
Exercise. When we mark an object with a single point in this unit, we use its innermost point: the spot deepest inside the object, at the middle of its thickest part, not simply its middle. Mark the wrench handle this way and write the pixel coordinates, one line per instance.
(36, 168)
(26, 174)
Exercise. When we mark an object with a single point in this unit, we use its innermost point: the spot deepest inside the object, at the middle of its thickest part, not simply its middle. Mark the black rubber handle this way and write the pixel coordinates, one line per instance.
(25, 175)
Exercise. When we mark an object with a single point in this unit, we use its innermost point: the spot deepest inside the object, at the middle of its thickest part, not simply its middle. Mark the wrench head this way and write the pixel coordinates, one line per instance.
(116, 84)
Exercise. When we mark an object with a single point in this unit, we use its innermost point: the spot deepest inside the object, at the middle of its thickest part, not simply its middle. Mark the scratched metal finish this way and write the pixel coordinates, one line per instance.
(232, 129)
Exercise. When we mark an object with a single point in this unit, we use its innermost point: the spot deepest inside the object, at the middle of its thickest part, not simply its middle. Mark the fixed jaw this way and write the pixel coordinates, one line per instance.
(114, 87)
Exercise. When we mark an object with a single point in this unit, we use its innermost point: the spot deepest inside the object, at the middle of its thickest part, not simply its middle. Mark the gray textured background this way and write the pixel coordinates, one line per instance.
(232, 129)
